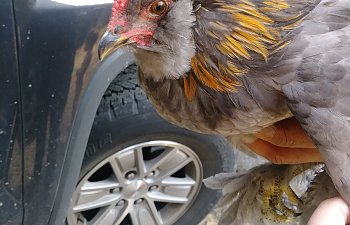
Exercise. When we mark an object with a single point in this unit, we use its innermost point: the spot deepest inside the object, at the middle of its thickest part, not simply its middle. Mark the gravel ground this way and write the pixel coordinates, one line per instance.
(243, 163)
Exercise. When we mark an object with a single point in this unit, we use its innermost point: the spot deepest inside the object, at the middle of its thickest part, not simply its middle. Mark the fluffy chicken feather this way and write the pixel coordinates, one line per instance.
(271, 194)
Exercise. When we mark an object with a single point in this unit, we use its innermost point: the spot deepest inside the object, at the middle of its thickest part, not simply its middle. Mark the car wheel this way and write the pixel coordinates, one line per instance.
(140, 170)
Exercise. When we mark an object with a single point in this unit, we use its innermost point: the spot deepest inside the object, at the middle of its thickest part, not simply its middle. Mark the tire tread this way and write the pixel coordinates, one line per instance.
(124, 97)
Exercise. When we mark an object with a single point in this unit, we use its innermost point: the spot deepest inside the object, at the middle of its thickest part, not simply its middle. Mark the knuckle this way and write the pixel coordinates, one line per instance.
(276, 159)
(284, 139)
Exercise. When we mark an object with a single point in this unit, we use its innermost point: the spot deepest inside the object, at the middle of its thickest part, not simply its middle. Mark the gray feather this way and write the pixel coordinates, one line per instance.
(241, 202)
(319, 97)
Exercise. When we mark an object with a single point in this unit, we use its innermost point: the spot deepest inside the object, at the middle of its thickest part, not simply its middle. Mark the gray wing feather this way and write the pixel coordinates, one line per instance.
(319, 97)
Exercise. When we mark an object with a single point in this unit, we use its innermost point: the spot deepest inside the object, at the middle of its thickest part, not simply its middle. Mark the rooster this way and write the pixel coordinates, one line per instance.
(238, 67)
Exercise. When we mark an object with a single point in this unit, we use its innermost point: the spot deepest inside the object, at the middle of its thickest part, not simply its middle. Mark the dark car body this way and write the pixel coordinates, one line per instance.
(51, 83)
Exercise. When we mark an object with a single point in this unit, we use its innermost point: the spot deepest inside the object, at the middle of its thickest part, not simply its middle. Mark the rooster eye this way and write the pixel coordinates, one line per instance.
(157, 8)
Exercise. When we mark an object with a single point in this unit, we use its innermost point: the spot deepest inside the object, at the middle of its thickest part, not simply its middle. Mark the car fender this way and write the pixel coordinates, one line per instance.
(81, 127)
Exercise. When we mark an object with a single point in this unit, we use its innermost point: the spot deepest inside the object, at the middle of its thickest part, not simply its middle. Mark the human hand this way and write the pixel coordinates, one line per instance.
(285, 143)
(332, 211)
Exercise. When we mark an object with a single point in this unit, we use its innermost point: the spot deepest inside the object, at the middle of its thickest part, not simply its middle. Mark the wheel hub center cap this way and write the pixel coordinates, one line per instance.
(135, 189)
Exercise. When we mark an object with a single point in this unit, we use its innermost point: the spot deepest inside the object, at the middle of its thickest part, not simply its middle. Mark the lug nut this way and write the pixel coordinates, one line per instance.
(153, 188)
(130, 175)
(116, 190)
(138, 201)
(151, 174)
(121, 203)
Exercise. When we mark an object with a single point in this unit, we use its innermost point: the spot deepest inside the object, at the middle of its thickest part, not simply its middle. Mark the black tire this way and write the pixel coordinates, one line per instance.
(125, 117)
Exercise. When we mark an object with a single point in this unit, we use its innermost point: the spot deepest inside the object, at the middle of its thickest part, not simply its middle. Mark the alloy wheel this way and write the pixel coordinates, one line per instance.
(151, 183)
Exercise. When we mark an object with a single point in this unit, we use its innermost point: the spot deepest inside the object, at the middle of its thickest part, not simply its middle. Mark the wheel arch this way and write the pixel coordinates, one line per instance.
(81, 127)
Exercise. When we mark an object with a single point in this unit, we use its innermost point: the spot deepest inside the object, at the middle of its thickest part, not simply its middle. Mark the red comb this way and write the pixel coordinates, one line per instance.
(119, 7)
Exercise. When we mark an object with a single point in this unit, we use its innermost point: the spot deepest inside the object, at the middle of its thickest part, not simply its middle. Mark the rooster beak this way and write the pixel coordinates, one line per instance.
(110, 43)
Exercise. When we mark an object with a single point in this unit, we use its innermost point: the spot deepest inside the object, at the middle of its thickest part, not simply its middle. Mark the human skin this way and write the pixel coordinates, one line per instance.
(285, 143)
(333, 211)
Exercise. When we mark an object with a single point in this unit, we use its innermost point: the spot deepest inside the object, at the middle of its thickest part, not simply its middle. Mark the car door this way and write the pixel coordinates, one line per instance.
(11, 154)
(57, 55)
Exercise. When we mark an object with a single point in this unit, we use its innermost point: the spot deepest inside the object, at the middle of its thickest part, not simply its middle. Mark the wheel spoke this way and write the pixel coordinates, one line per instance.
(176, 181)
(162, 197)
(172, 167)
(146, 214)
(117, 170)
(178, 191)
(168, 163)
(110, 216)
(106, 217)
(135, 220)
(162, 159)
(155, 212)
(81, 220)
(121, 216)
(140, 163)
(107, 184)
(94, 200)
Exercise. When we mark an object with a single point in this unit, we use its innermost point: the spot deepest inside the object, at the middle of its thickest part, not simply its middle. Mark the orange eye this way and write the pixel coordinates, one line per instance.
(157, 8)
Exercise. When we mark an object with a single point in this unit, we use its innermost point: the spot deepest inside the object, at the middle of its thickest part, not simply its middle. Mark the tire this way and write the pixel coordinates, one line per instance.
(126, 118)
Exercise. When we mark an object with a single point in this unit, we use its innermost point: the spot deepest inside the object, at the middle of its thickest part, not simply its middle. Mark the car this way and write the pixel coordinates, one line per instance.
(80, 142)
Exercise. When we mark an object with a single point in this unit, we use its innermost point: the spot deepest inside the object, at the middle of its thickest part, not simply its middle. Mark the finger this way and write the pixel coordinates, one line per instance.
(286, 133)
(284, 155)
(332, 211)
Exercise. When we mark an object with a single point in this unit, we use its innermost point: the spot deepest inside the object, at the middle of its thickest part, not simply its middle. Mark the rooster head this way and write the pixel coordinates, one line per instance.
(159, 32)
